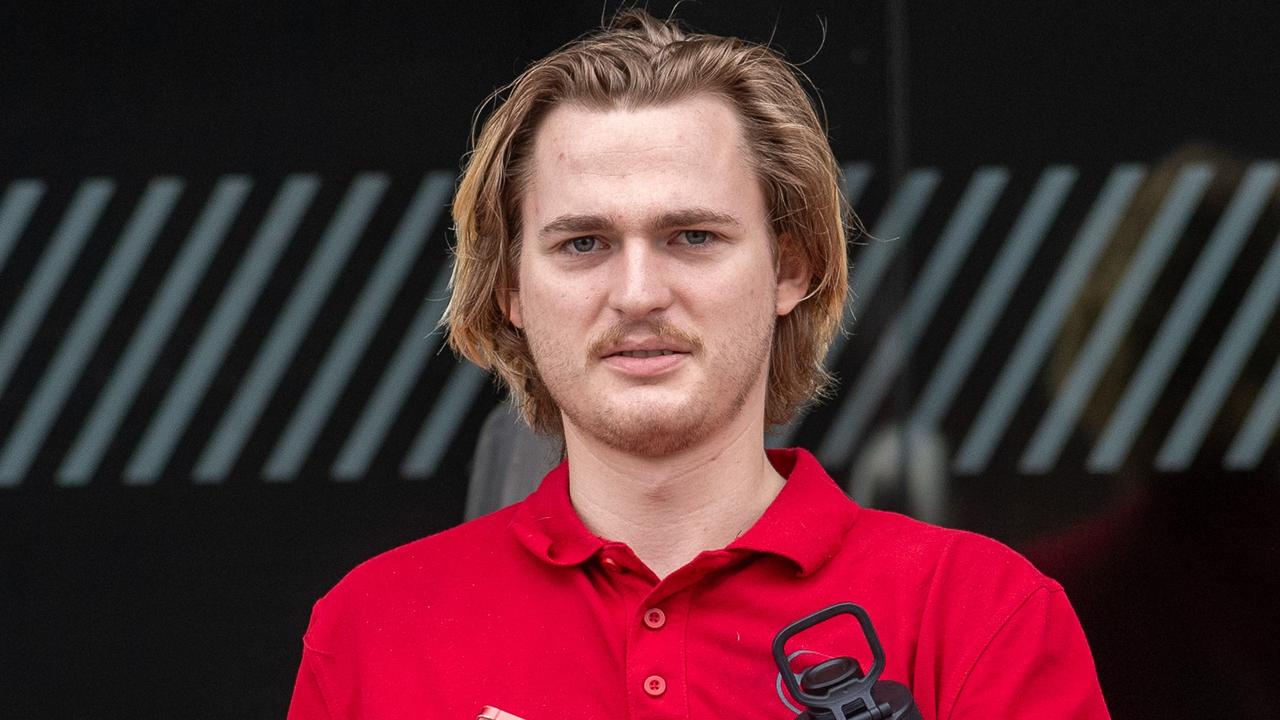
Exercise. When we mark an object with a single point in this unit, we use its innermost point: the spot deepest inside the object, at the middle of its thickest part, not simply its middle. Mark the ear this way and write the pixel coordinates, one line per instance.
(794, 276)
(509, 301)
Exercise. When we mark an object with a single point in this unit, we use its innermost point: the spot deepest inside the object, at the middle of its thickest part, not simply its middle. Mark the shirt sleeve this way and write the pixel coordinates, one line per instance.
(308, 701)
(311, 698)
(1037, 664)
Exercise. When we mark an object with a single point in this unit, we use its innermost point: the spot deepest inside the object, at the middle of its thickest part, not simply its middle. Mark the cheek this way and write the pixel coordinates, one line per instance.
(560, 307)
(735, 317)
(737, 294)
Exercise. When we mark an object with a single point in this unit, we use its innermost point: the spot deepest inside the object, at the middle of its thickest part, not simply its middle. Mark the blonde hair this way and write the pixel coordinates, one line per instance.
(640, 61)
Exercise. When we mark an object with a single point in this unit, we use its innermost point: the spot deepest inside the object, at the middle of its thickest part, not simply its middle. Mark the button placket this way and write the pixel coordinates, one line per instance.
(656, 657)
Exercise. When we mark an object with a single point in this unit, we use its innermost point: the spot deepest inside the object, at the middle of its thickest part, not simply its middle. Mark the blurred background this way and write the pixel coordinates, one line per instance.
(223, 251)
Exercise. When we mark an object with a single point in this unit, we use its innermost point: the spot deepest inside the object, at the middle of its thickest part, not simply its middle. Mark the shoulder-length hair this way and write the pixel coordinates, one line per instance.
(640, 61)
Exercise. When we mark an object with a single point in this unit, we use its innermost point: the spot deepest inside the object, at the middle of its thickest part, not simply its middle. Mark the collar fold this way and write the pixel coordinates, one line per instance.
(808, 521)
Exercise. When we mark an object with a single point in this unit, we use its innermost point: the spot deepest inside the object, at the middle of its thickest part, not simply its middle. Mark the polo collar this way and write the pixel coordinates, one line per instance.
(806, 523)
(546, 523)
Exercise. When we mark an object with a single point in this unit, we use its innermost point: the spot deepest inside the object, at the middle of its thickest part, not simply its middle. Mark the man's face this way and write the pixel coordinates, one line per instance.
(647, 282)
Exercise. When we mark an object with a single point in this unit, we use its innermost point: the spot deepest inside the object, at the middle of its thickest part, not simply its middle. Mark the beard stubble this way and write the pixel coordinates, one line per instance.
(647, 431)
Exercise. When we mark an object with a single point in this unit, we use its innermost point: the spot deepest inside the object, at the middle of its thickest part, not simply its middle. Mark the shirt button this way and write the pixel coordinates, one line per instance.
(611, 564)
(655, 685)
(655, 618)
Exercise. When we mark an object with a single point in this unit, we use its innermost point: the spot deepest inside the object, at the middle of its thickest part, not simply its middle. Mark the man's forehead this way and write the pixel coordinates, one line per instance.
(618, 140)
(648, 162)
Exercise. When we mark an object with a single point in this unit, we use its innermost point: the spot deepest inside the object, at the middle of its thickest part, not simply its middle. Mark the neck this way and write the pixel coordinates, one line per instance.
(668, 509)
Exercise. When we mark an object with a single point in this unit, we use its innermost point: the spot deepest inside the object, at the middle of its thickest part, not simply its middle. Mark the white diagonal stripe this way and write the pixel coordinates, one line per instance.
(437, 433)
(1153, 252)
(1020, 370)
(170, 300)
(290, 327)
(892, 229)
(1188, 308)
(997, 286)
(1259, 427)
(65, 246)
(899, 340)
(86, 330)
(20, 200)
(1228, 360)
(349, 344)
(419, 341)
(235, 302)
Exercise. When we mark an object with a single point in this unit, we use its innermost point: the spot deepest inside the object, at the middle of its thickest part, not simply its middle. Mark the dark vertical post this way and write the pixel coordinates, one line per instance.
(898, 117)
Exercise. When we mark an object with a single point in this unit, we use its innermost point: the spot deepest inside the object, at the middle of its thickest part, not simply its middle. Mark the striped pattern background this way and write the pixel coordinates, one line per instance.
(146, 322)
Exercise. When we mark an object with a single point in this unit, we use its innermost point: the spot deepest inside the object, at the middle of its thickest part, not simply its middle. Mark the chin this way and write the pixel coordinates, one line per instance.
(651, 429)
(651, 441)
(654, 420)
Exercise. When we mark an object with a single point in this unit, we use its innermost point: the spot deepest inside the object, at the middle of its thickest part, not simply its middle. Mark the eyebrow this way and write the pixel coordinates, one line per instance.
(683, 217)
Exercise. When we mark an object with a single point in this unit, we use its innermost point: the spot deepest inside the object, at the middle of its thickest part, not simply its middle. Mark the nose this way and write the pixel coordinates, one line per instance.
(640, 285)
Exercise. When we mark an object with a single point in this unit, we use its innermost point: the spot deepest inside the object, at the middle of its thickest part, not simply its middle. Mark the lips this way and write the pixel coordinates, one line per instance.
(644, 353)
(645, 347)
(645, 367)
(645, 358)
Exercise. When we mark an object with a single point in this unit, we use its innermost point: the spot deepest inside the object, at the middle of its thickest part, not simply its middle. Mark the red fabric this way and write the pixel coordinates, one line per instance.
(526, 610)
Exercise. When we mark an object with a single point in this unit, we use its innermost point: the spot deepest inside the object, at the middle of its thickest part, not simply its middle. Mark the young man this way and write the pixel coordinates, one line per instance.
(651, 255)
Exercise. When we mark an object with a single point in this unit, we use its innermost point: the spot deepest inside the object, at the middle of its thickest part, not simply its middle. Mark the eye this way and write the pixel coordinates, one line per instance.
(584, 244)
(696, 237)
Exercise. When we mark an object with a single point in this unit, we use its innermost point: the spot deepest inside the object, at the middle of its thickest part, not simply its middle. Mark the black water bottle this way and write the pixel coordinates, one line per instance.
(837, 689)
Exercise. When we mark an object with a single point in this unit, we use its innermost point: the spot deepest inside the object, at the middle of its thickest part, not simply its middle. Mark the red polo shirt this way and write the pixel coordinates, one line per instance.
(526, 610)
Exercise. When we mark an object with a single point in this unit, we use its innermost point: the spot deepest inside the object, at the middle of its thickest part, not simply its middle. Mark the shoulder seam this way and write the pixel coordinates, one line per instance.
(325, 696)
(306, 645)
(937, 565)
(1044, 585)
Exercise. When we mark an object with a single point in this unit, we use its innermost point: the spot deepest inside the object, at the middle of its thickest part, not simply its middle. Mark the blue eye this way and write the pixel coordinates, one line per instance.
(583, 244)
(696, 237)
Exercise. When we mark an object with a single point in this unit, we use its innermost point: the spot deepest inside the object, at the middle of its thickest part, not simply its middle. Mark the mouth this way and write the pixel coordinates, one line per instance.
(648, 360)
(642, 353)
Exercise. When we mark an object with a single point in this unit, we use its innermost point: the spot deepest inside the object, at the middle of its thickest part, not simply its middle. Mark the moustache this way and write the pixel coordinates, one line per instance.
(657, 328)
